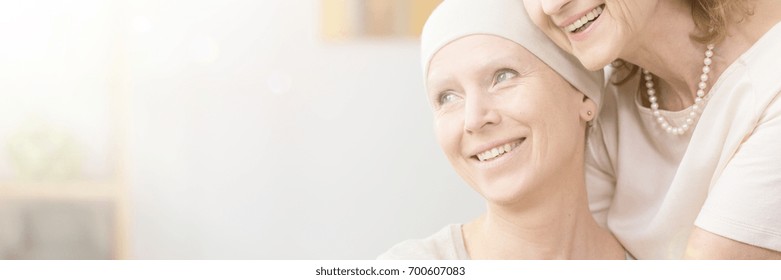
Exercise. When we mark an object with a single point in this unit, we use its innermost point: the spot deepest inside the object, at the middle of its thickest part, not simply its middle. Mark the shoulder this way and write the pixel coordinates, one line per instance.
(446, 244)
(747, 90)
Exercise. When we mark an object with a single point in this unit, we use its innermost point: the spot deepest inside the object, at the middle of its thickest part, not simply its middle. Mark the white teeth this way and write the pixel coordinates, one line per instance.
(495, 152)
(585, 19)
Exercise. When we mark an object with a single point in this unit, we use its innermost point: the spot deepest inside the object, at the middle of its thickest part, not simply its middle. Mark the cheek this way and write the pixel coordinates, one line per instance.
(560, 39)
(556, 117)
(542, 20)
(565, 130)
(535, 12)
(448, 132)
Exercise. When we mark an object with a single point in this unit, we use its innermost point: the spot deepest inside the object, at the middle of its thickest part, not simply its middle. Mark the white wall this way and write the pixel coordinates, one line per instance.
(250, 137)
(55, 62)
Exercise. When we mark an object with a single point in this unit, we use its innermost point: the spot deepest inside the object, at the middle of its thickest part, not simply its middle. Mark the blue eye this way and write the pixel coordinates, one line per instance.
(504, 75)
(447, 97)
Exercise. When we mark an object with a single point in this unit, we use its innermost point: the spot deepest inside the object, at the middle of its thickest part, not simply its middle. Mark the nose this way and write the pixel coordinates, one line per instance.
(479, 113)
(551, 7)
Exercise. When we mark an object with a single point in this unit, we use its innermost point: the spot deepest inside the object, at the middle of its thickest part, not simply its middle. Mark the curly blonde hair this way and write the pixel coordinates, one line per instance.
(712, 17)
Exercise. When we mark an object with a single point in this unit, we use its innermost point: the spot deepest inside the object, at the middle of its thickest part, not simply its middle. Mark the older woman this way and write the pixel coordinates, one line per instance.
(511, 113)
(664, 188)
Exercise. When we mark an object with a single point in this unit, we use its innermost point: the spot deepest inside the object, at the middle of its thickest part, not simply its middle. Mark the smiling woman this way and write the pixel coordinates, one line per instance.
(510, 123)
(704, 114)
(511, 114)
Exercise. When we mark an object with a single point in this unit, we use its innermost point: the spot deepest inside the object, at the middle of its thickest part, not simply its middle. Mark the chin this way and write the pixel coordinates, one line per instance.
(593, 61)
(596, 56)
(503, 193)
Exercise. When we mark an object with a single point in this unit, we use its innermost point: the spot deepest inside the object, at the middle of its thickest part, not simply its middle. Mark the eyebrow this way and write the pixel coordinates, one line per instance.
(490, 65)
(503, 61)
(518, 63)
(437, 85)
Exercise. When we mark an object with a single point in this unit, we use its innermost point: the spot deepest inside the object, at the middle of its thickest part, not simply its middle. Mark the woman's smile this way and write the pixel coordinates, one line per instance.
(497, 151)
(499, 154)
(584, 21)
(580, 28)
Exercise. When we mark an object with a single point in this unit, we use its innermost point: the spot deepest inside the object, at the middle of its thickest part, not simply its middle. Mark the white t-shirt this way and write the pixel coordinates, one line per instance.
(650, 188)
(446, 244)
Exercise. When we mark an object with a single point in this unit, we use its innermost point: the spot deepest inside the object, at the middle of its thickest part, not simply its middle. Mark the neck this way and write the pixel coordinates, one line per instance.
(666, 49)
(556, 224)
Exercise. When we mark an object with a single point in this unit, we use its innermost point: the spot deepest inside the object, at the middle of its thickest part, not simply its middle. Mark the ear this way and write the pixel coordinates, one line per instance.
(588, 109)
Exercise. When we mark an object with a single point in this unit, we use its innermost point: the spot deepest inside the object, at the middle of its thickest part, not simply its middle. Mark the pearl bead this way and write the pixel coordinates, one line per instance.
(649, 84)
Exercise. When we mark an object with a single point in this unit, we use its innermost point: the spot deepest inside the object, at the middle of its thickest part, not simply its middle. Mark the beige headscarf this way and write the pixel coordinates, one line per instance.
(454, 19)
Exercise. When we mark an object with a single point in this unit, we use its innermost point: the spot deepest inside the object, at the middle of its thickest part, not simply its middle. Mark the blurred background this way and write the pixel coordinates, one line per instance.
(232, 129)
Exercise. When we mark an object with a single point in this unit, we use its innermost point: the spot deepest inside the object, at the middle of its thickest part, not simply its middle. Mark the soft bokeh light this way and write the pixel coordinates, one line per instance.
(219, 129)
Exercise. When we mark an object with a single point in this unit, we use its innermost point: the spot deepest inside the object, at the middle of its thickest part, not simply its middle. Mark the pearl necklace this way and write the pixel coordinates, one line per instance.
(695, 109)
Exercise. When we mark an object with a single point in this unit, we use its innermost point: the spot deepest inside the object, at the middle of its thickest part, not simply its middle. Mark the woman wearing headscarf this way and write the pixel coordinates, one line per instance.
(511, 113)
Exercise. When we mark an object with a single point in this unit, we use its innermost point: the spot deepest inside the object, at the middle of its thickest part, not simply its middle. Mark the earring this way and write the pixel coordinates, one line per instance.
(591, 120)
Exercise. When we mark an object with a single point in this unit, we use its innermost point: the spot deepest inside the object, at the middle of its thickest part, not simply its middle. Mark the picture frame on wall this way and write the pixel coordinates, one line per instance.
(367, 19)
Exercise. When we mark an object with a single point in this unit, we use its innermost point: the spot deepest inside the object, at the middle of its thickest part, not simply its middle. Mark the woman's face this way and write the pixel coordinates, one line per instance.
(506, 121)
(597, 32)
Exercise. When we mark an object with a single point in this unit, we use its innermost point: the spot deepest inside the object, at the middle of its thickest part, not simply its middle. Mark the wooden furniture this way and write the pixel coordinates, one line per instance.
(61, 197)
